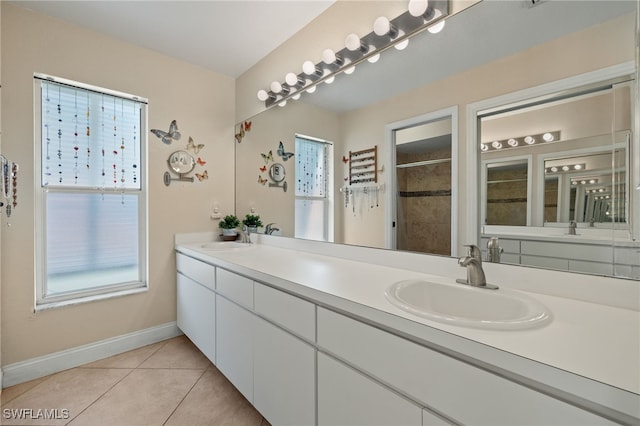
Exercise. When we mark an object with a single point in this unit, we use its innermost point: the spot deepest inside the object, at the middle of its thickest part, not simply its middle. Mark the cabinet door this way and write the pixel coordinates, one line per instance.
(284, 376)
(346, 397)
(196, 314)
(234, 345)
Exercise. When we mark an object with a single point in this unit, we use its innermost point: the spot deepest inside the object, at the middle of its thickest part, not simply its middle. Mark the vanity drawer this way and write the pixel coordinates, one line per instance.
(197, 270)
(235, 287)
(465, 393)
(290, 312)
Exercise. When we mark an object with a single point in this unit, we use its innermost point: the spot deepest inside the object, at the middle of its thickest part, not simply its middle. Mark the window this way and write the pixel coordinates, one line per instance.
(313, 204)
(91, 197)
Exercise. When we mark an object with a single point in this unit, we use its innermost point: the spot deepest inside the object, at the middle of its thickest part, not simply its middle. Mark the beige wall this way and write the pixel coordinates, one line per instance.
(202, 102)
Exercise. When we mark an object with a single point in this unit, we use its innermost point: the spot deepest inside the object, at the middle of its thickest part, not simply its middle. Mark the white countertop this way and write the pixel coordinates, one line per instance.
(593, 341)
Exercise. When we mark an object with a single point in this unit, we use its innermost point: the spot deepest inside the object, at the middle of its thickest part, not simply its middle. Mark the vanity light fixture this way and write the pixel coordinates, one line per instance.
(524, 141)
(421, 15)
(565, 168)
(582, 181)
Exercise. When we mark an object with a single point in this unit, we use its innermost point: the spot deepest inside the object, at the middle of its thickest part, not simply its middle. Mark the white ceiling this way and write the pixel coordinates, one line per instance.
(227, 37)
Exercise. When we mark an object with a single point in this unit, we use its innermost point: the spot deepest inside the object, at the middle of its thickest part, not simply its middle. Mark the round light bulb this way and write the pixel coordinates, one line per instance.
(483, 147)
(276, 87)
(418, 7)
(601, 190)
(381, 26)
(574, 182)
(554, 169)
(352, 42)
(584, 182)
(309, 68)
(291, 79)
(263, 95)
(512, 142)
(328, 56)
(350, 70)
(330, 79)
(529, 140)
(496, 145)
(435, 29)
(296, 96)
(373, 59)
(565, 168)
(548, 137)
(282, 104)
(403, 44)
(311, 89)
(577, 167)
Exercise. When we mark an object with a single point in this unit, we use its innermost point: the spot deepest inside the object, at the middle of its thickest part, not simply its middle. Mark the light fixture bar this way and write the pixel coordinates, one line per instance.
(521, 141)
(407, 26)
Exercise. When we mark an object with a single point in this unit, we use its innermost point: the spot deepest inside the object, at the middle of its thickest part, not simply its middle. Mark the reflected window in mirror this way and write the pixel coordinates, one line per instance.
(313, 189)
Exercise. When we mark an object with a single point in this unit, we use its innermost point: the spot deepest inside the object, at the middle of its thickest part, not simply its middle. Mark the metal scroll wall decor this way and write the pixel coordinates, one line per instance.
(363, 172)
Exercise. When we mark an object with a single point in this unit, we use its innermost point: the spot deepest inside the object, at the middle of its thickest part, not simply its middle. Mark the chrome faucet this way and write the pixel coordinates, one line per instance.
(572, 227)
(475, 273)
(270, 229)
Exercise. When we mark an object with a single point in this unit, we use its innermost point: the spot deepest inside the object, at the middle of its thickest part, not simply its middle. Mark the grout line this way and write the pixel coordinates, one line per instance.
(185, 396)
(103, 394)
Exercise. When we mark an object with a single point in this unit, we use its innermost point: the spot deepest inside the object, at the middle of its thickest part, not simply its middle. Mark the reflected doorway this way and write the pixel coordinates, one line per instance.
(423, 168)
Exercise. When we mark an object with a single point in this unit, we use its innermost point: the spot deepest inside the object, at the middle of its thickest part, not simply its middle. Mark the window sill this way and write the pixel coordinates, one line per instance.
(45, 306)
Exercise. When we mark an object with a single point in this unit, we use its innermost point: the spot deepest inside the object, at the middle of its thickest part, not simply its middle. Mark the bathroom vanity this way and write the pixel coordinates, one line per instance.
(305, 333)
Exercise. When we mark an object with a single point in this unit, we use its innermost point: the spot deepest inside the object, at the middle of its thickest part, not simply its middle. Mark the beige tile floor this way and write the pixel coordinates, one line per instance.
(167, 383)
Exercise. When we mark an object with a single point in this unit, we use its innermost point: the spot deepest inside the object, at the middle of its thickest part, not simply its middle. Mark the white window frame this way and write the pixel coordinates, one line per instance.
(42, 300)
(329, 198)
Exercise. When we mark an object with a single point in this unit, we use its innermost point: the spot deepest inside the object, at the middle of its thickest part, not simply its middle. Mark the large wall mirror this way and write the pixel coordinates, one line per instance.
(583, 167)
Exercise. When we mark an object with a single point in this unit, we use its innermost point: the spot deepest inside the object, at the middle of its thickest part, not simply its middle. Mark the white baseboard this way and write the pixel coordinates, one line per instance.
(34, 368)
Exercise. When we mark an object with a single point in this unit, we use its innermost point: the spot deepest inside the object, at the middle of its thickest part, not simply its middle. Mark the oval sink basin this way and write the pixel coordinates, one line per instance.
(224, 245)
(468, 306)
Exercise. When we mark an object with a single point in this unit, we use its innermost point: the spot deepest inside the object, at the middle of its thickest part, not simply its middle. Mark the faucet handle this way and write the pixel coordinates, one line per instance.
(474, 251)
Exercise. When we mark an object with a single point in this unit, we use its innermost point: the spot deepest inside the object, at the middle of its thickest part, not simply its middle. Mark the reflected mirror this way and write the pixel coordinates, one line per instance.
(527, 47)
(181, 162)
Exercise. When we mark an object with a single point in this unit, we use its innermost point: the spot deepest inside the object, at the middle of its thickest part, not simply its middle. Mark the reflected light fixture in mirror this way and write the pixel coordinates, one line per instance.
(509, 143)
(421, 15)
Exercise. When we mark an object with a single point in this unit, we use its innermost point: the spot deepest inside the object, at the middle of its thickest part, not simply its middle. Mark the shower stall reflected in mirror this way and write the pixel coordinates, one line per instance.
(423, 182)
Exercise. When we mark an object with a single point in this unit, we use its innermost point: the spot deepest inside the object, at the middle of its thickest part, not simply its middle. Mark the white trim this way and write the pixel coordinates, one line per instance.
(90, 87)
(390, 163)
(34, 368)
(473, 109)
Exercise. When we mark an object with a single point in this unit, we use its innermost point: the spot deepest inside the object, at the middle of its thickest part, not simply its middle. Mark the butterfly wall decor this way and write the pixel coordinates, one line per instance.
(200, 161)
(267, 157)
(263, 169)
(261, 180)
(345, 160)
(203, 176)
(281, 152)
(244, 127)
(191, 145)
(167, 137)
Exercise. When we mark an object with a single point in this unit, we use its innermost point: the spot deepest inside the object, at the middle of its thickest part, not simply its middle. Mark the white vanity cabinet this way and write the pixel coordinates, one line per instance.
(234, 345)
(196, 303)
(284, 376)
(460, 391)
(346, 397)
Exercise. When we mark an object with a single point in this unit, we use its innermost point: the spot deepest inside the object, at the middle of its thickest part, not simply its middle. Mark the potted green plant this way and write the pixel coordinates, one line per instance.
(228, 225)
(252, 222)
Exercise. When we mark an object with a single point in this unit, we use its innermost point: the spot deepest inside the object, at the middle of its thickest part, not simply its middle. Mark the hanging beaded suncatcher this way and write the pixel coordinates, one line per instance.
(71, 114)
